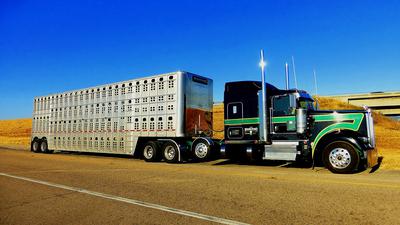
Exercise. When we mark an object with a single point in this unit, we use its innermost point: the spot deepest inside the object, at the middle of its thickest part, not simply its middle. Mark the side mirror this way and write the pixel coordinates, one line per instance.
(292, 101)
(316, 104)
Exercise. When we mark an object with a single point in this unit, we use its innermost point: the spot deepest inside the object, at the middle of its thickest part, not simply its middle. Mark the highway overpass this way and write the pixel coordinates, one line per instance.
(387, 103)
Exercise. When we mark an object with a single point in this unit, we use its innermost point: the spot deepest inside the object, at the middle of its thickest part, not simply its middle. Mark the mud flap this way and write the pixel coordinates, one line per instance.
(372, 157)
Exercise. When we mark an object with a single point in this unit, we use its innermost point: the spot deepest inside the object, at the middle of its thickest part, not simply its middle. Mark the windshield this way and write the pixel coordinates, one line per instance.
(306, 103)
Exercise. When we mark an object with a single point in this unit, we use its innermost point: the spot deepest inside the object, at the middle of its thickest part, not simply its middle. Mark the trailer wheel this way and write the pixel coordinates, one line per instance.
(340, 157)
(170, 152)
(35, 146)
(201, 150)
(151, 152)
(44, 147)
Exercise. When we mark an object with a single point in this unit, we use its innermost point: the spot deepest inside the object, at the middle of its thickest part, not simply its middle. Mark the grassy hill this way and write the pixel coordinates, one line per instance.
(16, 133)
(218, 121)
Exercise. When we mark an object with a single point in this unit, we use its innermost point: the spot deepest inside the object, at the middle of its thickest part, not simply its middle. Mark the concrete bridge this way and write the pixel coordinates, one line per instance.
(387, 103)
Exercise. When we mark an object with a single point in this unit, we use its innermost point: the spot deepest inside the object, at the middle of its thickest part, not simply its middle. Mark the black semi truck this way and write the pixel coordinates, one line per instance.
(295, 129)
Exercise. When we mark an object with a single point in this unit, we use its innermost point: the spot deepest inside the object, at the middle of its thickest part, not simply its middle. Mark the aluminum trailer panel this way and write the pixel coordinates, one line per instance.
(111, 118)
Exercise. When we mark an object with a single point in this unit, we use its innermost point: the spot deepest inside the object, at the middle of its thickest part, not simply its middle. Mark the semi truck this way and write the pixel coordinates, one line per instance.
(343, 141)
(169, 117)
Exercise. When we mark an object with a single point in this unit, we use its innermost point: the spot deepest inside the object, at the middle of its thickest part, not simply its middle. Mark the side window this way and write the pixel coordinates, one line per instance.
(282, 106)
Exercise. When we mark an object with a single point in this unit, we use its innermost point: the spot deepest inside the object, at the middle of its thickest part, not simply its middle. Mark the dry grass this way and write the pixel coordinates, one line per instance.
(218, 121)
(387, 131)
(15, 133)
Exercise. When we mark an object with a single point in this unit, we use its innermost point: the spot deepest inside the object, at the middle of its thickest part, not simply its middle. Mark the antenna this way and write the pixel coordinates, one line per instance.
(287, 75)
(315, 82)
(294, 72)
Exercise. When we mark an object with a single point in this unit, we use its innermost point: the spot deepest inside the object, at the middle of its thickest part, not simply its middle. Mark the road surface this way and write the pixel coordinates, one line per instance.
(65, 188)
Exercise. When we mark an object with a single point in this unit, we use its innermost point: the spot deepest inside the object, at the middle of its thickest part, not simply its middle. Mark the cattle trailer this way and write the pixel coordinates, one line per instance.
(166, 116)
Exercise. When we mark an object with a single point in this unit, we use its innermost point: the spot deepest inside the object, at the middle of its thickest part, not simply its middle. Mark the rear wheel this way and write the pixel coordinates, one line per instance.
(35, 146)
(236, 152)
(170, 152)
(340, 157)
(44, 147)
(151, 152)
(256, 153)
(201, 150)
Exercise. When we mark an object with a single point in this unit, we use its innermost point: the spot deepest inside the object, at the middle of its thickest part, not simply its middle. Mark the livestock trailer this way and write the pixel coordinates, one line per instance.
(162, 116)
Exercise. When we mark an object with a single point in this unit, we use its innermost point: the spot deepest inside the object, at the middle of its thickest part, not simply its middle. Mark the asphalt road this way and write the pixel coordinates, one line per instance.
(65, 188)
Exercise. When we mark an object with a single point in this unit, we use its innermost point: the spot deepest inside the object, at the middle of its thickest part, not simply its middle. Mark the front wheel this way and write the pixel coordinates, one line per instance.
(340, 157)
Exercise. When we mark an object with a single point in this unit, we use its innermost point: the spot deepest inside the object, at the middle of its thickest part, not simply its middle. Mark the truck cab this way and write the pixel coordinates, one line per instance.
(343, 141)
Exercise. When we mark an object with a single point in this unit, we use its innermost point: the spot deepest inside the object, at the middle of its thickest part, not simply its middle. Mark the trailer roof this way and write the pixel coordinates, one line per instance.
(102, 86)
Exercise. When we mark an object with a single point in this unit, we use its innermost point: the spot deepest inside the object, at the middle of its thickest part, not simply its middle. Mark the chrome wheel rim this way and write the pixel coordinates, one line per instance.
(340, 158)
(169, 153)
(201, 150)
(148, 152)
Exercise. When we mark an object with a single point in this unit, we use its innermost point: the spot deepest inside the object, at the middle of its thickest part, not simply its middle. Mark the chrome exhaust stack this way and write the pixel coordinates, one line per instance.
(263, 105)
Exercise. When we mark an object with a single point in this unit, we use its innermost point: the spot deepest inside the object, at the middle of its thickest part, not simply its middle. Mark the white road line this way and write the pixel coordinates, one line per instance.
(131, 201)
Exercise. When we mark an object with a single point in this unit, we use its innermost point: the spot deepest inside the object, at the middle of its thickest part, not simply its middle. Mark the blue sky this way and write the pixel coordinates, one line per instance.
(54, 46)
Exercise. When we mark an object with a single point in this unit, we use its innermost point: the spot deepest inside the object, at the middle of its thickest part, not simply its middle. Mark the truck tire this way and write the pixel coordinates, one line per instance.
(151, 152)
(170, 152)
(236, 153)
(257, 153)
(201, 150)
(340, 157)
(44, 148)
(35, 146)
